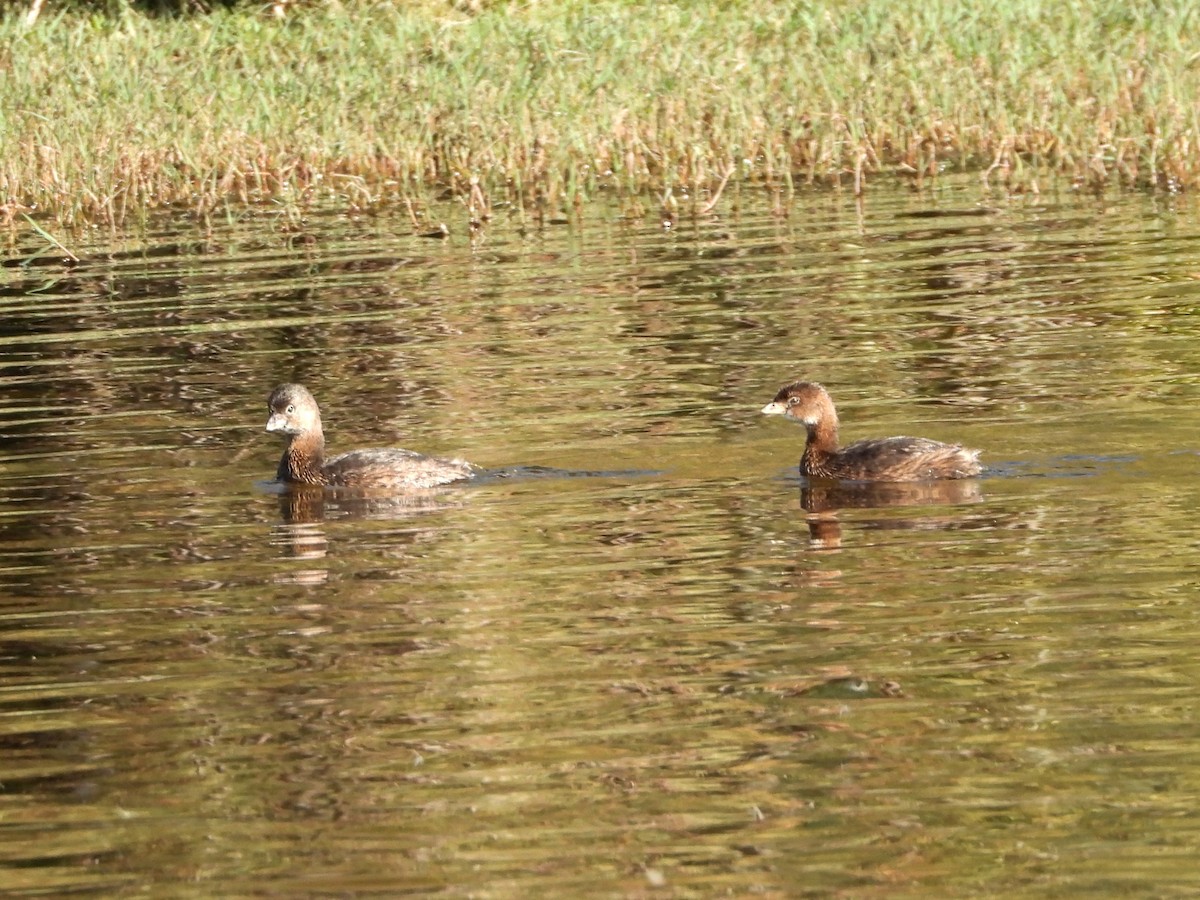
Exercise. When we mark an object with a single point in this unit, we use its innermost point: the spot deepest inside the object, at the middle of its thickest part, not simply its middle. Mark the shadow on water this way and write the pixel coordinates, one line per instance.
(530, 473)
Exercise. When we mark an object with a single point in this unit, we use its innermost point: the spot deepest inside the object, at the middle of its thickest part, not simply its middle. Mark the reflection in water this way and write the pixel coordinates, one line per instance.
(305, 509)
(817, 496)
(308, 504)
(822, 499)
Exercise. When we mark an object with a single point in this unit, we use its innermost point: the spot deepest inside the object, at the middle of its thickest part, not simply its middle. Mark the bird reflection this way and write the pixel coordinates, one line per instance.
(304, 509)
(313, 504)
(822, 499)
(302, 505)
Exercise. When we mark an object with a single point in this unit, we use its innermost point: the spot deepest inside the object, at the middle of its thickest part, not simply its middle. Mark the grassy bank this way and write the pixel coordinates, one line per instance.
(543, 103)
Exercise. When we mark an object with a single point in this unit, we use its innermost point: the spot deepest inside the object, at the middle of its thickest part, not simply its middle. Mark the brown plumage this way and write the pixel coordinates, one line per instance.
(294, 412)
(883, 459)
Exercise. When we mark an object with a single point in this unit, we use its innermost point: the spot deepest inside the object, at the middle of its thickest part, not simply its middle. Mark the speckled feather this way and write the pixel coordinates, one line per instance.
(394, 468)
(897, 458)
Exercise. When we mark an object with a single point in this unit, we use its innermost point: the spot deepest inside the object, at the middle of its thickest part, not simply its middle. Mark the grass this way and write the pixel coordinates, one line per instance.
(542, 104)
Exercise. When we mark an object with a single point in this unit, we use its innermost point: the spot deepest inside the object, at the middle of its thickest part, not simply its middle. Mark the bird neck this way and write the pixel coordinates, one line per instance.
(303, 459)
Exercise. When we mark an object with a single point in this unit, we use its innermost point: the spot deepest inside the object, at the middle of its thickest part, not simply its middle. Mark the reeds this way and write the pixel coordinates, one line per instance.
(542, 104)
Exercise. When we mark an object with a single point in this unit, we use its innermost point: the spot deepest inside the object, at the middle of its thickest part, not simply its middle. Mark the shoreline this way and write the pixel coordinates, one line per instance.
(542, 106)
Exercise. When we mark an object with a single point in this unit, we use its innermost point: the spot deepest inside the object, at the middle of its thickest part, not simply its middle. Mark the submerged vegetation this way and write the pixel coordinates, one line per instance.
(541, 104)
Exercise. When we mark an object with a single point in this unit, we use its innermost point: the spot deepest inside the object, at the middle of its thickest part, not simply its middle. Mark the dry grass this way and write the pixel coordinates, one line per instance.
(541, 104)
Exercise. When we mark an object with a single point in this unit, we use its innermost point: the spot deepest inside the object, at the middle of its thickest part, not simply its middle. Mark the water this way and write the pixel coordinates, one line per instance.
(663, 667)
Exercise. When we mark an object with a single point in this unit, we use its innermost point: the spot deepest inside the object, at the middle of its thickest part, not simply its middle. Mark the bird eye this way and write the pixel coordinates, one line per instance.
(792, 401)
(291, 408)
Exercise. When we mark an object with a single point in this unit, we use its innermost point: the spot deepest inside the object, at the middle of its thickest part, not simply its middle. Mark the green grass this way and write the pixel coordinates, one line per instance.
(541, 104)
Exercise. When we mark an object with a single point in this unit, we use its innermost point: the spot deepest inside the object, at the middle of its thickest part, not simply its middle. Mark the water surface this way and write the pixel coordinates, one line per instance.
(663, 667)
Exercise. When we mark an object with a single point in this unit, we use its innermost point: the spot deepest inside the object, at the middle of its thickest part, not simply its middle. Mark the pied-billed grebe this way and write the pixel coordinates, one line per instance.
(884, 459)
(294, 412)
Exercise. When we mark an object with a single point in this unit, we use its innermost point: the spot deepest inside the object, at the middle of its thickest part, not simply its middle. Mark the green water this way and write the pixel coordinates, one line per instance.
(660, 668)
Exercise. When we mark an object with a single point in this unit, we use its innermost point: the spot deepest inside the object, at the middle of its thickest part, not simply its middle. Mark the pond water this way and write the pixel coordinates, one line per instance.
(641, 659)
